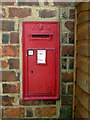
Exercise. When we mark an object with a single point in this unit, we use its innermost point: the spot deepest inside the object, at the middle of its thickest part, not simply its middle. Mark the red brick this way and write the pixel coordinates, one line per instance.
(14, 37)
(64, 38)
(70, 89)
(19, 12)
(8, 3)
(67, 51)
(67, 77)
(71, 38)
(3, 13)
(14, 112)
(9, 76)
(13, 63)
(63, 3)
(9, 50)
(63, 88)
(70, 25)
(66, 100)
(0, 100)
(71, 63)
(5, 38)
(30, 102)
(29, 112)
(37, 102)
(7, 101)
(18, 88)
(47, 13)
(4, 64)
(0, 51)
(29, 3)
(0, 112)
(11, 88)
(45, 112)
(72, 13)
(49, 102)
(64, 63)
(8, 25)
(0, 88)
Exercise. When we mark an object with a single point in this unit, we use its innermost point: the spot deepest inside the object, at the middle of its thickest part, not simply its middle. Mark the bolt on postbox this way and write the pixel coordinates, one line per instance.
(41, 51)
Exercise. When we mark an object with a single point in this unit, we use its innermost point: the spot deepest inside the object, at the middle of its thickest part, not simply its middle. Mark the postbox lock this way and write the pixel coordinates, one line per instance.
(32, 71)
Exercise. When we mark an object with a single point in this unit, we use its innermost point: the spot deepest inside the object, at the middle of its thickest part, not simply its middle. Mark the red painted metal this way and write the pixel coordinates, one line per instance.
(41, 80)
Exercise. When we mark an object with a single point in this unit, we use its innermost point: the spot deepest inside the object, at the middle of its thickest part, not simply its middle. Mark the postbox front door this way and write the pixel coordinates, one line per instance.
(40, 43)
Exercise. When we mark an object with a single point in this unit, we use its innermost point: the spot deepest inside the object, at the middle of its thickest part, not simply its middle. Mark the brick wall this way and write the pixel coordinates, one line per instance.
(12, 13)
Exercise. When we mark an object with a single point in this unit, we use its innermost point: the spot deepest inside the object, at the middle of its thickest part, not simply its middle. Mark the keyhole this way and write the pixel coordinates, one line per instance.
(32, 71)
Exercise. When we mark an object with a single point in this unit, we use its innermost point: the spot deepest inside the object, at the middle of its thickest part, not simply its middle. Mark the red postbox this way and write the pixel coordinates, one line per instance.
(41, 48)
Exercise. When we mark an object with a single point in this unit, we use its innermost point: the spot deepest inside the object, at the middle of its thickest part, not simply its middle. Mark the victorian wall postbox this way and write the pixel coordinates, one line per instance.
(41, 48)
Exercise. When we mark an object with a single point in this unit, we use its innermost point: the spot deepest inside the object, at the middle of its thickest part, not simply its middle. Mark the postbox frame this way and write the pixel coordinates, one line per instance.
(58, 82)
